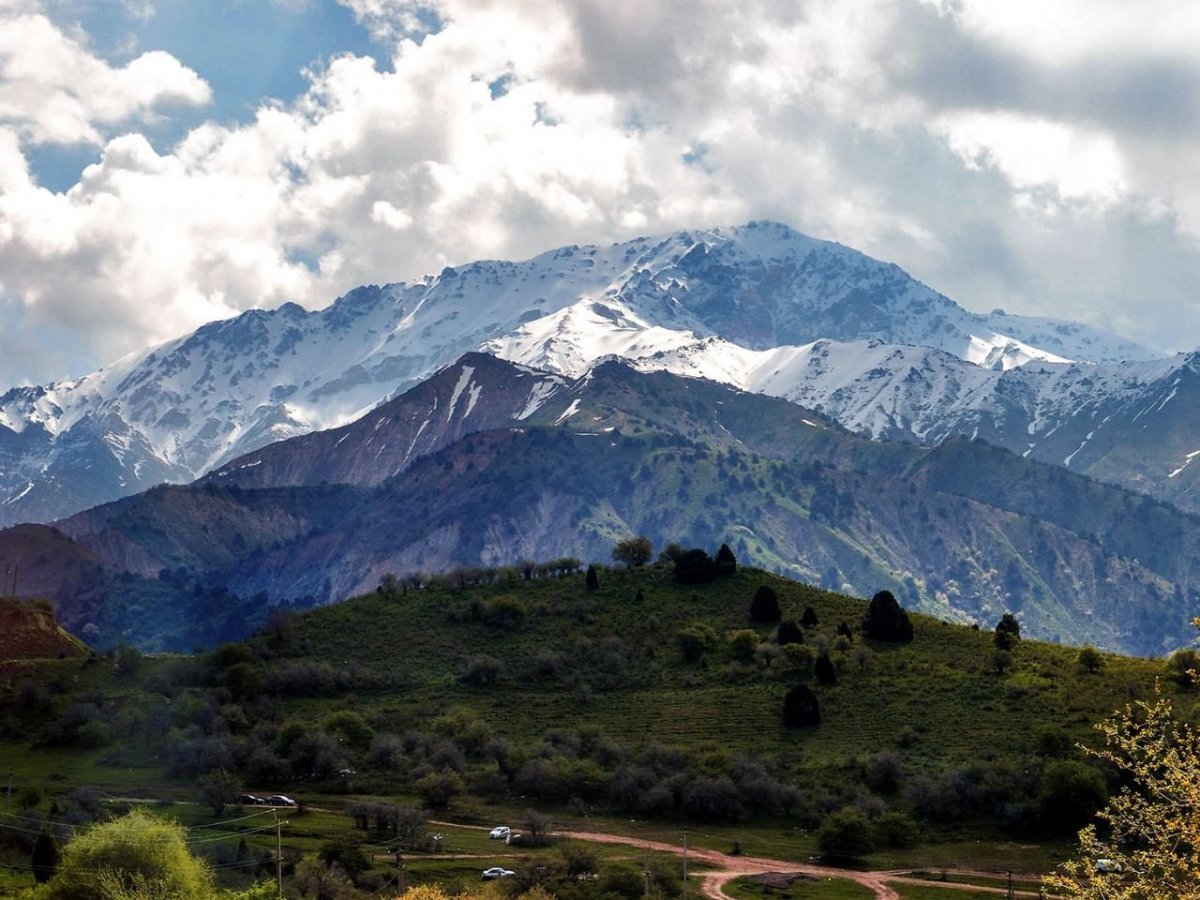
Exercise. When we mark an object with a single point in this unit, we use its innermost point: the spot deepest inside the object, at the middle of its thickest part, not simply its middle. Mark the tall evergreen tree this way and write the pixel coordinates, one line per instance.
(886, 620)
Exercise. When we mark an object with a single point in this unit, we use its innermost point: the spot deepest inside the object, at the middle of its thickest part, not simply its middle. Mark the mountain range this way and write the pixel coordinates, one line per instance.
(489, 463)
(825, 414)
(732, 304)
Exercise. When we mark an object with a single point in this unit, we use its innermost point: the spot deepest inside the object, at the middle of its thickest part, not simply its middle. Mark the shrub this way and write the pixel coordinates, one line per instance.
(1071, 793)
(896, 829)
(134, 856)
(481, 670)
(695, 567)
(634, 552)
(742, 644)
(846, 834)
(1183, 667)
(695, 640)
(437, 789)
(1089, 659)
(809, 619)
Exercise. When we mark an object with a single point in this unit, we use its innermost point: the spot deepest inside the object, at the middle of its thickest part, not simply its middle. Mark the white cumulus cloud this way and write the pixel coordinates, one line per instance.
(921, 132)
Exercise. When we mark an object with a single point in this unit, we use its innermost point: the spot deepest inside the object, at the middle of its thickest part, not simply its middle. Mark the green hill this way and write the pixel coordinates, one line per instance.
(513, 692)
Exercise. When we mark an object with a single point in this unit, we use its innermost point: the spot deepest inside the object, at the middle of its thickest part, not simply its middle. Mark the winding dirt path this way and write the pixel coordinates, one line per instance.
(731, 867)
(727, 868)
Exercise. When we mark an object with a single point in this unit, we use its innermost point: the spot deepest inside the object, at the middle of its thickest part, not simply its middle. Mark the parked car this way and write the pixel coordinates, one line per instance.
(280, 800)
(1108, 866)
(500, 831)
(497, 872)
(249, 800)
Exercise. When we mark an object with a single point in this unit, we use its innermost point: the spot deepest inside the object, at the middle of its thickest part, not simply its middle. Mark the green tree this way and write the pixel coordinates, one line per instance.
(591, 579)
(1089, 659)
(1008, 632)
(439, 788)
(1071, 793)
(809, 618)
(634, 552)
(135, 856)
(846, 834)
(217, 789)
(1182, 668)
(1152, 827)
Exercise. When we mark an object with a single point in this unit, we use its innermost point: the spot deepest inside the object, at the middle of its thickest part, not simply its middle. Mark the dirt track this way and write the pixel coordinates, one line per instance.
(727, 868)
(731, 867)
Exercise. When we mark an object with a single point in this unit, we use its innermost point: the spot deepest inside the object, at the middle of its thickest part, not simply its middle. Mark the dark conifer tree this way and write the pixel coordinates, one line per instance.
(886, 620)
(789, 633)
(800, 707)
(45, 858)
(824, 670)
(765, 606)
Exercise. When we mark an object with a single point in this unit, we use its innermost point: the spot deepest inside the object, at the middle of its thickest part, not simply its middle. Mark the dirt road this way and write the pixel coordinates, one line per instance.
(727, 868)
(731, 867)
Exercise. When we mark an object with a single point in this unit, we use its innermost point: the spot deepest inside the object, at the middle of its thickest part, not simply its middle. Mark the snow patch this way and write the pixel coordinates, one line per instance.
(463, 379)
(542, 391)
(1187, 460)
(568, 412)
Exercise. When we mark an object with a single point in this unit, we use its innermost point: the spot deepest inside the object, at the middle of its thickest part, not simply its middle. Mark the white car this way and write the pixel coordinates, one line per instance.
(500, 832)
(497, 872)
(1108, 866)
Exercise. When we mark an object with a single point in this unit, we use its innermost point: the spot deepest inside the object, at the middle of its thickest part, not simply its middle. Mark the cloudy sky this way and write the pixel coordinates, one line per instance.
(167, 162)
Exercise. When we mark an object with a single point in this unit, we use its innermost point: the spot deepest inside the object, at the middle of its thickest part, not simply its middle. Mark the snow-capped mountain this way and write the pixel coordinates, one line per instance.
(1136, 424)
(178, 410)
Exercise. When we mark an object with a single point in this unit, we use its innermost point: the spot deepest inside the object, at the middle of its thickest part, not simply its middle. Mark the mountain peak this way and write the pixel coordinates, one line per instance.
(717, 302)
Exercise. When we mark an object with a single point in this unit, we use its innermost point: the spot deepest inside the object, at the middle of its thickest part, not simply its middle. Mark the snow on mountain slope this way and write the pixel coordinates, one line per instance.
(183, 408)
(1134, 424)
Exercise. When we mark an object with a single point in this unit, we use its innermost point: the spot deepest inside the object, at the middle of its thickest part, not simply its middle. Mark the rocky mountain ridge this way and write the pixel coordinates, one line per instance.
(184, 408)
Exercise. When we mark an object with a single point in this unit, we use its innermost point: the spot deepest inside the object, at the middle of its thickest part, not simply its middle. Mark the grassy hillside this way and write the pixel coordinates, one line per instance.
(548, 664)
(481, 695)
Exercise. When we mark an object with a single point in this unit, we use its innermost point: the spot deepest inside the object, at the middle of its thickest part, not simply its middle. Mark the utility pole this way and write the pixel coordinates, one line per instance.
(278, 854)
(16, 568)
(1010, 893)
(8, 796)
(685, 864)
